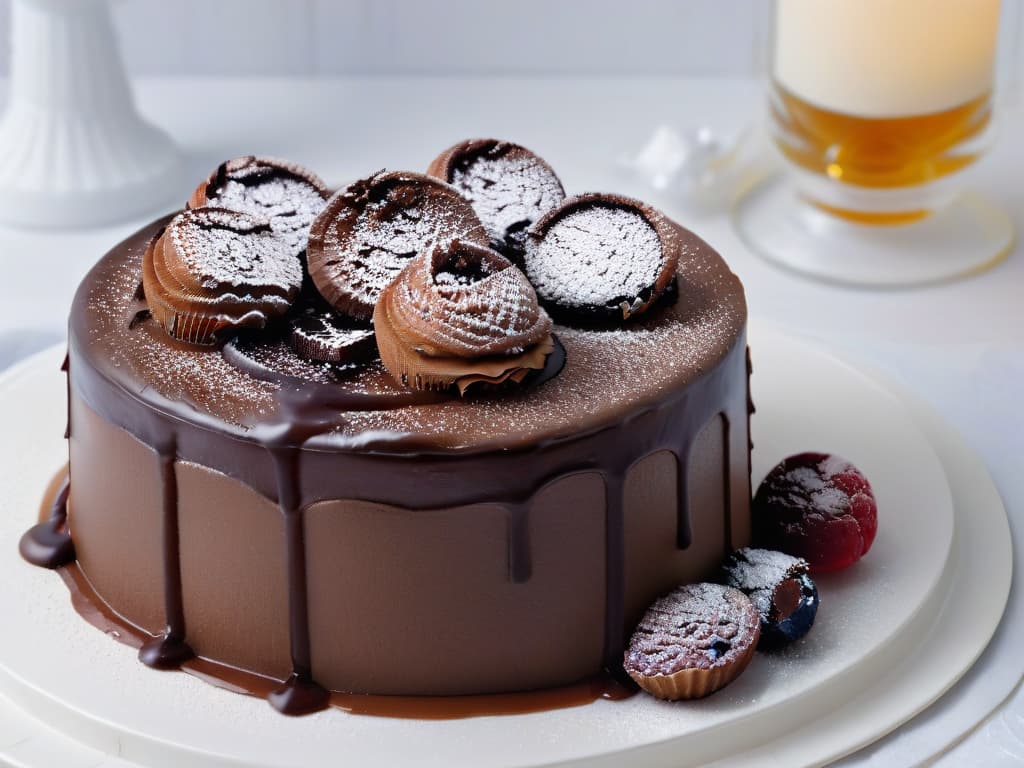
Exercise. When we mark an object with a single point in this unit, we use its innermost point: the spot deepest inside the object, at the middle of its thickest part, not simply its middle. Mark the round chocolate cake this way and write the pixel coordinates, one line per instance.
(301, 511)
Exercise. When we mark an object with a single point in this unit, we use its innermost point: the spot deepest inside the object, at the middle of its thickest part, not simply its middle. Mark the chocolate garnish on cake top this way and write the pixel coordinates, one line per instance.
(601, 259)
(509, 187)
(213, 270)
(461, 315)
(287, 194)
(370, 229)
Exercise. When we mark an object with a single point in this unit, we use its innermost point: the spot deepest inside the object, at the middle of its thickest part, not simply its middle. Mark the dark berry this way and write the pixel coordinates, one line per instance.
(778, 585)
(819, 507)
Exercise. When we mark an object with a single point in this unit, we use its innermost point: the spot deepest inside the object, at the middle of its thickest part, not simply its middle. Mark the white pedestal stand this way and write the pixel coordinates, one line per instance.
(73, 150)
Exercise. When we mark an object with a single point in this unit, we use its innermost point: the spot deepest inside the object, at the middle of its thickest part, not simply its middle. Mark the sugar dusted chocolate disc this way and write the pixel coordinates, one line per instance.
(212, 270)
(321, 335)
(371, 229)
(286, 193)
(693, 641)
(601, 258)
(509, 187)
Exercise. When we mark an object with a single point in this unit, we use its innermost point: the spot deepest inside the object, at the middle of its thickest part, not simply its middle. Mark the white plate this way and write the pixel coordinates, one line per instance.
(874, 626)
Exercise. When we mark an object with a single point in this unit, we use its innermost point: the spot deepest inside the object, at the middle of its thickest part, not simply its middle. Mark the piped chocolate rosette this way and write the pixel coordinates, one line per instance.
(602, 259)
(213, 270)
(287, 194)
(509, 187)
(371, 229)
(461, 315)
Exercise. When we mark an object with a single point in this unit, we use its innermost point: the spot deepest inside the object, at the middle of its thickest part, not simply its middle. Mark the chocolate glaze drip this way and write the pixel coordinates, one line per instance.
(519, 560)
(169, 650)
(684, 534)
(299, 456)
(615, 573)
(48, 543)
(299, 694)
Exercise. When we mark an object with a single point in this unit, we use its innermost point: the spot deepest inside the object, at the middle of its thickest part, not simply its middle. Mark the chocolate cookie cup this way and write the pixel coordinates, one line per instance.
(370, 229)
(509, 187)
(213, 270)
(602, 259)
(692, 642)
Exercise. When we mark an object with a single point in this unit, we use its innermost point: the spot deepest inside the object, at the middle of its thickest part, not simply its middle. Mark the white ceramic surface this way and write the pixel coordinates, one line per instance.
(873, 618)
(73, 150)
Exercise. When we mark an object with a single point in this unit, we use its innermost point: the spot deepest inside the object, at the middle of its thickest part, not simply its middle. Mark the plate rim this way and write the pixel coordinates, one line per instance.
(29, 364)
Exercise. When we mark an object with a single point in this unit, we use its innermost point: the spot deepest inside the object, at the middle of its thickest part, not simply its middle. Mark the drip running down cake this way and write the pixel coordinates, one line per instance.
(375, 442)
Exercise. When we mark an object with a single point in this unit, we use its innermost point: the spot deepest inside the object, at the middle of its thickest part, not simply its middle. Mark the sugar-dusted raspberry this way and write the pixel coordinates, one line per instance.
(819, 507)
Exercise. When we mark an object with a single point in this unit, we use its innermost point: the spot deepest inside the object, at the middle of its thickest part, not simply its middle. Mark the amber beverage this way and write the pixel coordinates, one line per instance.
(875, 102)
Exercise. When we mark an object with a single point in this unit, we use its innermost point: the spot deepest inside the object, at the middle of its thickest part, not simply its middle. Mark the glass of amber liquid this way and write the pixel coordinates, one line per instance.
(876, 106)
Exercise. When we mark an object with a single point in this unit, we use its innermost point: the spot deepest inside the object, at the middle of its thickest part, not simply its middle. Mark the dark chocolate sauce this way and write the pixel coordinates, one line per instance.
(170, 649)
(48, 543)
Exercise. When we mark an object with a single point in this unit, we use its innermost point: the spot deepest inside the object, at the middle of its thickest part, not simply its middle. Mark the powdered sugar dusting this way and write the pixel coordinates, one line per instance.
(697, 626)
(290, 204)
(228, 250)
(595, 257)
(510, 189)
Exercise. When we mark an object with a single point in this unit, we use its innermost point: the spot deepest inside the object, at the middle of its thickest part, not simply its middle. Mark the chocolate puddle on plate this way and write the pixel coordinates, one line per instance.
(91, 608)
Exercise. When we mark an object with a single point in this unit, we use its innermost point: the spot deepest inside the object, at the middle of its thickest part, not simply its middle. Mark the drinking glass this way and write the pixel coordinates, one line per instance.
(876, 107)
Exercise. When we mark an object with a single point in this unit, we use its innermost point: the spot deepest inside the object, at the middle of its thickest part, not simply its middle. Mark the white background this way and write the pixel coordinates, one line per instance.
(341, 37)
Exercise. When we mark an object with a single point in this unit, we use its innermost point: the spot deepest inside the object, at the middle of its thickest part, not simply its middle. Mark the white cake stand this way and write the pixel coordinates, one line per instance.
(74, 151)
(893, 634)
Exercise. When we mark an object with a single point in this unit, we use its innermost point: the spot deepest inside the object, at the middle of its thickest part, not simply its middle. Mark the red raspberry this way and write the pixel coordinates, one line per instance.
(818, 507)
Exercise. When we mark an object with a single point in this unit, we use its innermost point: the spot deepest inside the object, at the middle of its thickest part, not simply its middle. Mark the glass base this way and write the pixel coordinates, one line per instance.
(968, 235)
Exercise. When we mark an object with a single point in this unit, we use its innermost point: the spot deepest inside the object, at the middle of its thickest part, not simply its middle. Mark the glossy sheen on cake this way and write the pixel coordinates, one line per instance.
(353, 536)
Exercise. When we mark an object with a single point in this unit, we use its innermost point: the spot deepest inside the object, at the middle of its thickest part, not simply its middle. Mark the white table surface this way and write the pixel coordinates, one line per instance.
(960, 346)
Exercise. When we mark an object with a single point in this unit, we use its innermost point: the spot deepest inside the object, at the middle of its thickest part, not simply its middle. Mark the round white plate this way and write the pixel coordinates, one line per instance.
(874, 627)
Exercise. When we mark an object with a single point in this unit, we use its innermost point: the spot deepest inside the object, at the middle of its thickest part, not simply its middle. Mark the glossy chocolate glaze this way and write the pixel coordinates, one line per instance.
(300, 444)
(91, 607)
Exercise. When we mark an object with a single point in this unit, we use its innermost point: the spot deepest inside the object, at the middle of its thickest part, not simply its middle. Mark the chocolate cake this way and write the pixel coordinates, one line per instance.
(332, 528)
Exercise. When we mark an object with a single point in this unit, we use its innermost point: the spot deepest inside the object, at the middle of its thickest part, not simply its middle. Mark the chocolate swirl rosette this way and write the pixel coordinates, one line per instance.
(460, 314)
